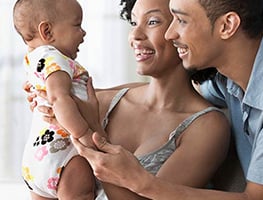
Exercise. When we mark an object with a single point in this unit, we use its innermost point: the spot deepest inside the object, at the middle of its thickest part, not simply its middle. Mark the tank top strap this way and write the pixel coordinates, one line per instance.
(188, 121)
(115, 100)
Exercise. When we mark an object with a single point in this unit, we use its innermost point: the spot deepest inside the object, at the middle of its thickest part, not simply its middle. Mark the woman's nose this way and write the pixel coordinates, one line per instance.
(137, 33)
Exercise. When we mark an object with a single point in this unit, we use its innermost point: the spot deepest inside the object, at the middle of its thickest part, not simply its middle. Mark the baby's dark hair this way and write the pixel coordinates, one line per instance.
(27, 14)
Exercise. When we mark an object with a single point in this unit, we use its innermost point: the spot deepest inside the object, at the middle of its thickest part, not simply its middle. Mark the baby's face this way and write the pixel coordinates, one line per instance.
(67, 31)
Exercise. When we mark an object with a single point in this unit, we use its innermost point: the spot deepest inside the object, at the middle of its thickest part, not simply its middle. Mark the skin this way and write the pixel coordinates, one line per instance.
(135, 122)
(65, 33)
(233, 54)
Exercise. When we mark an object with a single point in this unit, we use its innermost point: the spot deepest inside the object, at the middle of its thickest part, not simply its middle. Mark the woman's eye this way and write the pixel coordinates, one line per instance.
(132, 23)
(153, 22)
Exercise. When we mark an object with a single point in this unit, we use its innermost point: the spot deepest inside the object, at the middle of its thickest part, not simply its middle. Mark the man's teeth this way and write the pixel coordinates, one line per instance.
(181, 50)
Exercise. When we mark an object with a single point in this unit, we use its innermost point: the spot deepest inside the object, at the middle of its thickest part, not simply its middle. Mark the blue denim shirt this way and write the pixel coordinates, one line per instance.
(246, 115)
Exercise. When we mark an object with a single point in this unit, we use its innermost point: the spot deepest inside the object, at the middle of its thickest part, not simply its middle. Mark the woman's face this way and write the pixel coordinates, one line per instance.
(154, 54)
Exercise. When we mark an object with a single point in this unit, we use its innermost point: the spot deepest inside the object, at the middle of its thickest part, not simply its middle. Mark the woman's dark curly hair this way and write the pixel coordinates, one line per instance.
(126, 9)
(198, 76)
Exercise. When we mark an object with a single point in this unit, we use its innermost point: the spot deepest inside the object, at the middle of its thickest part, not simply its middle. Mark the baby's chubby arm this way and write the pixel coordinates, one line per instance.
(58, 87)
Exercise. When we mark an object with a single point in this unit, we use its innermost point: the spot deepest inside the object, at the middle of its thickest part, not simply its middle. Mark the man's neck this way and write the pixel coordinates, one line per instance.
(239, 60)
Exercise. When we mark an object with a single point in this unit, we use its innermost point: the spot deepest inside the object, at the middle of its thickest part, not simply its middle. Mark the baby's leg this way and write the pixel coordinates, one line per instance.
(77, 181)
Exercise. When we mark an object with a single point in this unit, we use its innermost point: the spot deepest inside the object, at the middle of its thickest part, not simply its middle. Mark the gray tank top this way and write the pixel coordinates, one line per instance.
(153, 161)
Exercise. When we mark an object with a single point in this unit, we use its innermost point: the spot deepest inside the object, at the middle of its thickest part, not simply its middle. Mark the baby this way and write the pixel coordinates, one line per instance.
(51, 166)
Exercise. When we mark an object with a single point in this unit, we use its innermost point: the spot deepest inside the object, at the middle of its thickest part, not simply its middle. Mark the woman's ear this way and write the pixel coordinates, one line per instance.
(45, 31)
(229, 24)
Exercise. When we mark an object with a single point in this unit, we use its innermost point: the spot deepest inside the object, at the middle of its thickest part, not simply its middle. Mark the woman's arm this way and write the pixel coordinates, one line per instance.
(200, 150)
(115, 165)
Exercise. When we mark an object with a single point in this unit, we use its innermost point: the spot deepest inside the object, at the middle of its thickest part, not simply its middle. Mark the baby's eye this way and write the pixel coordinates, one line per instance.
(78, 25)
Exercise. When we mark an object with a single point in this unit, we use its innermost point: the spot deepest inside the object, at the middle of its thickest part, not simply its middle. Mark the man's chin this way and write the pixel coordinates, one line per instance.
(190, 68)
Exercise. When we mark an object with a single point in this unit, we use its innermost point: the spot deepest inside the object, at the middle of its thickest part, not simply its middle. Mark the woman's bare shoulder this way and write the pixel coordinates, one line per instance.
(211, 126)
(105, 97)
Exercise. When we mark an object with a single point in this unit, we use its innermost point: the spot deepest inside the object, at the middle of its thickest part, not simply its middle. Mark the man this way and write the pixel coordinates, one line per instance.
(226, 34)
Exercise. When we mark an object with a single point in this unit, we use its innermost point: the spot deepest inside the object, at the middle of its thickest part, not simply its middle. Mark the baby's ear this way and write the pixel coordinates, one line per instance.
(45, 31)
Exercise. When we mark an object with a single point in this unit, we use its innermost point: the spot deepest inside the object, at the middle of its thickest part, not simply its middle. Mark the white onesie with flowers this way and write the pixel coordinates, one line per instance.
(49, 148)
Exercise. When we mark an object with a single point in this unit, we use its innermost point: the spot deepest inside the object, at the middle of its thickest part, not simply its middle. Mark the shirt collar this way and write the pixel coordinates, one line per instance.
(254, 92)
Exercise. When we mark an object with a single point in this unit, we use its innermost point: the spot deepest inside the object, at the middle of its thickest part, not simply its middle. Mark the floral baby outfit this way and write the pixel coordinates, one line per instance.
(49, 148)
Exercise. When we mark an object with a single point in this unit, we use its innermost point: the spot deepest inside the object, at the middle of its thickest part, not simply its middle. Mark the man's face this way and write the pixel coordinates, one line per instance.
(193, 35)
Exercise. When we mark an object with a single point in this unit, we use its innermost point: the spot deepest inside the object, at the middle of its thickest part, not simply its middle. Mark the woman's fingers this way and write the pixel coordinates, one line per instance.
(42, 93)
(32, 106)
(27, 86)
(31, 97)
(90, 88)
(84, 151)
(104, 146)
(46, 110)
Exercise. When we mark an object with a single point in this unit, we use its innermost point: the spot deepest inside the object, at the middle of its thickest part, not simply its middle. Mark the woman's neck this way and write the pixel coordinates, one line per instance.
(171, 90)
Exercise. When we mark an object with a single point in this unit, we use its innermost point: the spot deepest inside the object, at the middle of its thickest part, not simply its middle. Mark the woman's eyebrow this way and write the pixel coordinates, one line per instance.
(150, 11)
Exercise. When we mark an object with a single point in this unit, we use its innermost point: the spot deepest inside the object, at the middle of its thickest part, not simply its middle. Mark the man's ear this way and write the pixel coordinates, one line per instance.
(45, 31)
(229, 24)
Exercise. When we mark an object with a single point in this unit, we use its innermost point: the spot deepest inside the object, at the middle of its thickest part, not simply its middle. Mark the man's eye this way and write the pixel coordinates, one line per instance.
(180, 21)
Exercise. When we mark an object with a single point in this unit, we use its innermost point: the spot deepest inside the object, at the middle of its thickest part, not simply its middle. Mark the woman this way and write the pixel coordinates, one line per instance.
(174, 133)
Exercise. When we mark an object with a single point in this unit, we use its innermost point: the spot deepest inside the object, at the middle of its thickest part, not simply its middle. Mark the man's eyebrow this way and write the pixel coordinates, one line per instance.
(174, 11)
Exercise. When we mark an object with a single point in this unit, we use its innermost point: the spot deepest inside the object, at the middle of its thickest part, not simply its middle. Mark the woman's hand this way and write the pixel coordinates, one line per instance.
(90, 109)
(48, 114)
(114, 164)
(30, 95)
